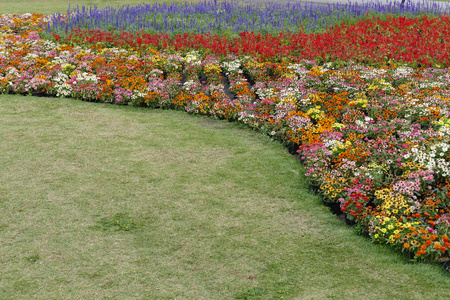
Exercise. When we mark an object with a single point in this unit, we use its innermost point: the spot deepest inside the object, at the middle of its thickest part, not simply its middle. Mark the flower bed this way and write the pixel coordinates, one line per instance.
(229, 17)
(376, 140)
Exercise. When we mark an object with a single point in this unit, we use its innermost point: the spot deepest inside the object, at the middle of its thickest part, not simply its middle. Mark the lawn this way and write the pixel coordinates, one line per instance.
(61, 6)
(207, 218)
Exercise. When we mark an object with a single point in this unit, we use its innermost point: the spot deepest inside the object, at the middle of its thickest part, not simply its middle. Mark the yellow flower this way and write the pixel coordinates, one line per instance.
(338, 125)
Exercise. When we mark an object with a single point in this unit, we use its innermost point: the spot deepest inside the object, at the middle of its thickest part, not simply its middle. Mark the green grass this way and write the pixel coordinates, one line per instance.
(214, 212)
(52, 6)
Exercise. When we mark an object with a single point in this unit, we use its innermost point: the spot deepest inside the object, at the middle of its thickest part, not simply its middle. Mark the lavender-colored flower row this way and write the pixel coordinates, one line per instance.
(230, 16)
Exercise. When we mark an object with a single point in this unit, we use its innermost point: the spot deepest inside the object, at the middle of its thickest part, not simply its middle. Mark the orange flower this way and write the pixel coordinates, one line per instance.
(406, 245)
(421, 252)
